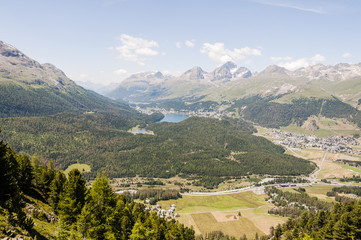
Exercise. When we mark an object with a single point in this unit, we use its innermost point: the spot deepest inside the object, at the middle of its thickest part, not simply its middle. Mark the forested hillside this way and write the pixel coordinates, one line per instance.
(28, 88)
(343, 222)
(268, 113)
(20, 99)
(197, 146)
(41, 203)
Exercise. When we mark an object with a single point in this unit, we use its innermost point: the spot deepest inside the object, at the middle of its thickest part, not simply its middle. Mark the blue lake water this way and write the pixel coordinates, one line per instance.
(175, 118)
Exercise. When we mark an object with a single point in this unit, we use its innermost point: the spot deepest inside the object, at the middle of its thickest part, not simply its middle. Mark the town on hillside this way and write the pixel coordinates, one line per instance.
(333, 144)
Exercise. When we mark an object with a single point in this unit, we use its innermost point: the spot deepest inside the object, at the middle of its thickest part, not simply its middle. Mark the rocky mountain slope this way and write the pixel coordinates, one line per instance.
(153, 86)
(228, 82)
(28, 88)
(319, 81)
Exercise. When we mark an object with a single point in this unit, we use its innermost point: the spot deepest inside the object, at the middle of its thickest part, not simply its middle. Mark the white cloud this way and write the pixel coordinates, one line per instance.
(190, 43)
(317, 58)
(346, 55)
(136, 49)
(120, 72)
(219, 54)
(178, 44)
(298, 63)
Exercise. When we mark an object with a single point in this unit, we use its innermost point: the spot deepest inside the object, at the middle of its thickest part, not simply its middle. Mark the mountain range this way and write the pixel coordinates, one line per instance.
(148, 86)
(229, 82)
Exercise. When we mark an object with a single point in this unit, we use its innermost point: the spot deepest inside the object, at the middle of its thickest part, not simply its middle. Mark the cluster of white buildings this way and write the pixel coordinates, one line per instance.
(169, 214)
(333, 144)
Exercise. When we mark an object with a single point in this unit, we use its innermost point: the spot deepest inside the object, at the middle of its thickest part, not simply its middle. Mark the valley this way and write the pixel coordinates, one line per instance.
(222, 161)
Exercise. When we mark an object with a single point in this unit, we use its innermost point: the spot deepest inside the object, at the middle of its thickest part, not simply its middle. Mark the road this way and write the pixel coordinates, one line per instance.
(315, 173)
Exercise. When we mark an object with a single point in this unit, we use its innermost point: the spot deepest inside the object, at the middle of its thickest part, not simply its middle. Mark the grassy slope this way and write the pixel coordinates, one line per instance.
(20, 99)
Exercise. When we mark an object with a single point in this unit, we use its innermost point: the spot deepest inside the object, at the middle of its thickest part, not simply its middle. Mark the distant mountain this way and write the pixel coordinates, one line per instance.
(273, 97)
(319, 81)
(154, 86)
(229, 82)
(28, 88)
(228, 72)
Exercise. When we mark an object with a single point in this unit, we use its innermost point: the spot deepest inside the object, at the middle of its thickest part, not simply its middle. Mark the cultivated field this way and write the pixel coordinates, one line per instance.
(221, 212)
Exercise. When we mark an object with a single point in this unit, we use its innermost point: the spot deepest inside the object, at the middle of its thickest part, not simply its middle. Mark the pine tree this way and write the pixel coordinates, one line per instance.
(11, 197)
(26, 174)
(9, 189)
(73, 197)
(56, 188)
(98, 213)
(138, 232)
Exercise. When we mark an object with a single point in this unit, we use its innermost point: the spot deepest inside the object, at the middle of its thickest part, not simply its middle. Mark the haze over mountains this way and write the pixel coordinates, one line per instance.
(229, 82)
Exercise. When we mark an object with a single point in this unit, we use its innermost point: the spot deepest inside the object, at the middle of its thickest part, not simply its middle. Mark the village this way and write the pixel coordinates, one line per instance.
(168, 214)
(333, 144)
(198, 113)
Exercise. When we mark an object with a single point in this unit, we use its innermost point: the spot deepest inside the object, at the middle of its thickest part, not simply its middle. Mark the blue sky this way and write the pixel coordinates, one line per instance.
(105, 41)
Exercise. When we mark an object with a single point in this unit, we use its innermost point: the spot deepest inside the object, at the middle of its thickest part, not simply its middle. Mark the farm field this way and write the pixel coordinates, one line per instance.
(320, 191)
(221, 212)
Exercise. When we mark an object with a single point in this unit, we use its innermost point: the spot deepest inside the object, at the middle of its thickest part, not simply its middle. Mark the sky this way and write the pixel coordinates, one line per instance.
(105, 41)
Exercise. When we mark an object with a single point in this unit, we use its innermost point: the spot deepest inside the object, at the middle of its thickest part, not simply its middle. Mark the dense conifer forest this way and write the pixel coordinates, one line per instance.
(194, 147)
(77, 212)
(342, 222)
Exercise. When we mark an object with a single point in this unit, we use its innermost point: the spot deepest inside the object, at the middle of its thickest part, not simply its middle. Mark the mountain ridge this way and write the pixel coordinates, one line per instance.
(29, 88)
(229, 82)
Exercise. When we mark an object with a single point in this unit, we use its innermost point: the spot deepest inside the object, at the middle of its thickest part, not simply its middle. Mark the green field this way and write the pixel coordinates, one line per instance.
(206, 221)
(80, 167)
(320, 192)
(220, 212)
(352, 169)
(194, 204)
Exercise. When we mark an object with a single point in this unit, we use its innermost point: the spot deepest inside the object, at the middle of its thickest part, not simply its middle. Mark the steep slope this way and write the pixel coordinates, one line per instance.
(318, 81)
(155, 86)
(141, 87)
(28, 88)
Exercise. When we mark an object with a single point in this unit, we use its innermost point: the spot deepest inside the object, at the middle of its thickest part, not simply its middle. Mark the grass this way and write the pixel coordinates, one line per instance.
(212, 213)
(207, 223)
(80, 167)
(320, 192)
(194, 204)
(352, 169)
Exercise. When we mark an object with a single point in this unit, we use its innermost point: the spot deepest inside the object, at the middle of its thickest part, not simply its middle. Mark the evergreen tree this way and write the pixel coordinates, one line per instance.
(73, 197)
(26, 174)
(9, 189)
(44, 176)
(139, 232)
(98, 211)
(11, 197)
(56, 188)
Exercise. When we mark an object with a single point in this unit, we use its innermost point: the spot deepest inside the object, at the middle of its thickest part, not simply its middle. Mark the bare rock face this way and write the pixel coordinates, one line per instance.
(16, 66)
(228, 72)
(193, 74)
(338, 72)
